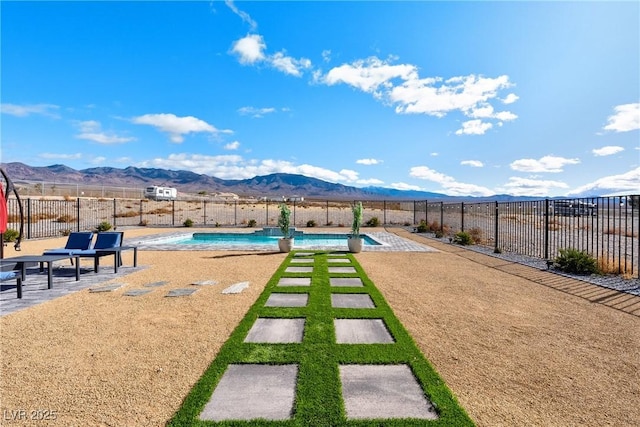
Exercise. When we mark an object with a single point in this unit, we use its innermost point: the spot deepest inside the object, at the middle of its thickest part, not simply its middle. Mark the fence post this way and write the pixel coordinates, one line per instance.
(546, 229)
(114, 213)
(173, 213)
(267, 213)
(495, 233)
(327, 223)
(384, 212)
(462, 216)
(78, 214)
(442, 217)
(204, 211)
(235, 212)
(28, 219)
(141, 203)
(294, 213)
(426, 212)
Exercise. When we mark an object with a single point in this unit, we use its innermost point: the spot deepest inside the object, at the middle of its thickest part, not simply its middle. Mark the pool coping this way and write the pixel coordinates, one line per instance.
(389, 242)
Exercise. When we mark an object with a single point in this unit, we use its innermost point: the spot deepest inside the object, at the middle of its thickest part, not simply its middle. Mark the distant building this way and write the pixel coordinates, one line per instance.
(226, 196)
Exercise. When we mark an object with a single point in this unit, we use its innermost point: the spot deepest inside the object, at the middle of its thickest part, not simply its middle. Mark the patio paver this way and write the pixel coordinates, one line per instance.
(299, 270)
(352, 301)
(342, 270)
(362, 331)
(247, 392)
(294, 281)
(383, 391)
(276, 331)
(346, 282)
(287, 300)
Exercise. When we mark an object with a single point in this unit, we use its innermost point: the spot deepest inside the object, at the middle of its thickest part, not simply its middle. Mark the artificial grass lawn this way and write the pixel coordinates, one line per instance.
(318, 400)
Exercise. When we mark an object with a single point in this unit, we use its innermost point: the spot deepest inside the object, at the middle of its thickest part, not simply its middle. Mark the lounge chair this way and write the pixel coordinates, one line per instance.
(107, 243)
(77, 241)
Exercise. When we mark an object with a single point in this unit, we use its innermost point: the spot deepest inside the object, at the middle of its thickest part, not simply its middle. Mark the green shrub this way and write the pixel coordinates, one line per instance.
(574, 261)
(10, 235)
(188, 222)
(422, 227)
(252, 223)
(311, 223)
(103, 226)
(373, 222)
(65, 232)
(462, 238)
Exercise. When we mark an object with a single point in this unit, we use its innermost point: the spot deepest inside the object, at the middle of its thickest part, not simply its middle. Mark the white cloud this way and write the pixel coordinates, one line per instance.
(400, 85)
(243, 15)
(607, 150)
(98, 160)
(232, 145)
(91, 130)
(368, 161)
(626, 118)
(236, 167)
(472, 163)
(249, 49)
(177, 127)
(288, 64)
(548, 164)
(531, 187)
(370, 181)
(626, 183)
(368, 75)
(404, 186)
(256, 112)
(474, 127)
(326, 55)
(50, 156)
(450, 185)
(48, 110)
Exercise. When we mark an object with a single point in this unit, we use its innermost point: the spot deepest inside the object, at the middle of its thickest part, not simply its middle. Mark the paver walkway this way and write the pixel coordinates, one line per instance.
(267, 389)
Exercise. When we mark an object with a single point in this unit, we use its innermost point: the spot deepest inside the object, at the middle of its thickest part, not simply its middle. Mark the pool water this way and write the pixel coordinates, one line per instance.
(302, 240)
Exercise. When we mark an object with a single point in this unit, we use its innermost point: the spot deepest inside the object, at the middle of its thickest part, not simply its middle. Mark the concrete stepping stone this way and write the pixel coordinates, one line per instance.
(302, 261)
(362, 331)
(383, 392)
(346, 282)
(107, 288)
(287, 300)
(236, 288)
(352, 301)
(300, 254)
(136, 292)
(276, 331)
(342, 270)
(180, 292)
(339, 260)
(294, 281)
(156, 284)
(205, 283)
(299, 270)
(247, 392)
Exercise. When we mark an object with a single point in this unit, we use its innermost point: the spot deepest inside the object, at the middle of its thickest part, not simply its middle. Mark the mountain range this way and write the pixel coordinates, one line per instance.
(273, 185)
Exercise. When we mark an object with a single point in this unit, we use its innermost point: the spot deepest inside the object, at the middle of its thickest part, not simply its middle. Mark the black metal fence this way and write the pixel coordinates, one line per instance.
(608, 228)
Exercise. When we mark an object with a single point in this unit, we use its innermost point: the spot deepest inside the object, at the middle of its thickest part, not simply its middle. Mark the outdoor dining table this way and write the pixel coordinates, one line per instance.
(23, 260)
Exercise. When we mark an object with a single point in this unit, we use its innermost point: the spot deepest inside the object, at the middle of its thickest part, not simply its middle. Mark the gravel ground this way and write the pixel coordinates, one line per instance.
(616, 282)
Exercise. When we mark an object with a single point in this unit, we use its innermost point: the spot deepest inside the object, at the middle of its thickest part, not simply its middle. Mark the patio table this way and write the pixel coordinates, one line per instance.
(23, 260)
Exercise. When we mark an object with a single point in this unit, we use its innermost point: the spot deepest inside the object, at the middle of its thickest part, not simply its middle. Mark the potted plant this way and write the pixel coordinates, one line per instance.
(354, 241)
(285, 244)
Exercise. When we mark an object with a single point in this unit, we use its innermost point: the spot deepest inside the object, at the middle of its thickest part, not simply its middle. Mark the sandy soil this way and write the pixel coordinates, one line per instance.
(514, 352)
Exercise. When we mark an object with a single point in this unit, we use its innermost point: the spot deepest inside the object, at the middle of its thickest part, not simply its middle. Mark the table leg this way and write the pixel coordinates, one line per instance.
(49, 274)
(77, 268)
(116, 258)
(19, 287)
(135, 257)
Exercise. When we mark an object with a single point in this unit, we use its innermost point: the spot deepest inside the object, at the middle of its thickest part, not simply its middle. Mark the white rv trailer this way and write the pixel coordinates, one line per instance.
(160, 193)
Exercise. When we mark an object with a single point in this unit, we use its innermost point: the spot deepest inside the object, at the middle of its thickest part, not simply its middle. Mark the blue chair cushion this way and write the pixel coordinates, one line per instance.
(79, 240)
(7, 275)
(108, 240)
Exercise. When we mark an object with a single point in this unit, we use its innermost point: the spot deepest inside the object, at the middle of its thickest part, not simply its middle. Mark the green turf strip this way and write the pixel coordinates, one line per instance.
(318, 399)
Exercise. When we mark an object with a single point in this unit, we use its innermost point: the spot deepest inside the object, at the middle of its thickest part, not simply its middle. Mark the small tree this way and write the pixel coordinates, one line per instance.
(284, 220)
(356, 209)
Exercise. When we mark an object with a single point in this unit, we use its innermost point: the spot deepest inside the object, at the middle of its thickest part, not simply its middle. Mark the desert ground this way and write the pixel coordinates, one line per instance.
(514, 351)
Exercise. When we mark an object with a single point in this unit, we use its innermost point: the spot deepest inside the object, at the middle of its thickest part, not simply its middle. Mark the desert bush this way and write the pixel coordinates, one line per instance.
(67, 197)
(65, 232)
(574, 261)
(422, 227)
(311, 223)
(127, 214)
(188, 222)
(462, 238)
(252, 223)
(143, 223)
(103, 226)
(476, 235)
(10, 235)
(373, 222)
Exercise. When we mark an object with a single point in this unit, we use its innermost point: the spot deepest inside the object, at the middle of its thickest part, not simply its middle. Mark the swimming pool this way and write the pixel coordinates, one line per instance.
(301, 240)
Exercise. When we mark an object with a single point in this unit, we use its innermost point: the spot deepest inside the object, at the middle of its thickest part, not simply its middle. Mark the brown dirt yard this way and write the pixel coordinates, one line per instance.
(514, 351)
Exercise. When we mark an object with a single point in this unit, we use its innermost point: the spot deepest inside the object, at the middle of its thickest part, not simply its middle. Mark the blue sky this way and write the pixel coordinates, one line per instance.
(462, 98)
